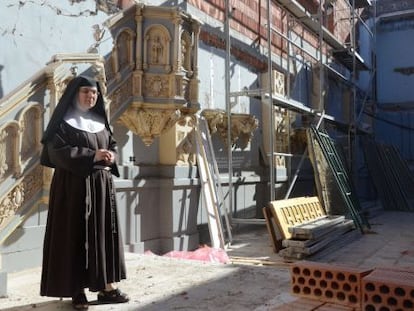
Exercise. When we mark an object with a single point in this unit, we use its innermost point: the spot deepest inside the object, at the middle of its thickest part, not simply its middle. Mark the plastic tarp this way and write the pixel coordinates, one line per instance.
(204, 253)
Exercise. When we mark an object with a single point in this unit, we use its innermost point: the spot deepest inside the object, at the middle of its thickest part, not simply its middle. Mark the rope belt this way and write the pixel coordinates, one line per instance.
(89, 204)
(88, 209)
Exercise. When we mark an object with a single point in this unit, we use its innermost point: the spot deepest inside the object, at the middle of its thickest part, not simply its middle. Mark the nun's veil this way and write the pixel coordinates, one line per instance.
(68, 99)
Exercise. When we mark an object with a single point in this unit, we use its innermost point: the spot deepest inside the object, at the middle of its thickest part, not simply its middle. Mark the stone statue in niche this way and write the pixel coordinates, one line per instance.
(185, 47)
(183, 53)
(157, 51)
(123, 50)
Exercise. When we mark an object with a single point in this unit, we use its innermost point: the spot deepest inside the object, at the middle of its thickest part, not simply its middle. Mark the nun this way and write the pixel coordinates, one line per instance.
(83, 246)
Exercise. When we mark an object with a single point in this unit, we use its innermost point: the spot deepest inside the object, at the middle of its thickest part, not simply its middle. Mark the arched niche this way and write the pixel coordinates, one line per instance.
(157, 45)
(9, 149)
(186, 48)
(30, 127)
(124, 50)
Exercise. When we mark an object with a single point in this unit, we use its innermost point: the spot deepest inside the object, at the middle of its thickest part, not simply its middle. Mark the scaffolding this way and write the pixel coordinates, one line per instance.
(344, 55)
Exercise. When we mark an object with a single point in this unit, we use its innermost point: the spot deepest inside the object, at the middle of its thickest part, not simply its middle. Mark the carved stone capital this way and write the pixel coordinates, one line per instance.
(149, 122)
(242, 126)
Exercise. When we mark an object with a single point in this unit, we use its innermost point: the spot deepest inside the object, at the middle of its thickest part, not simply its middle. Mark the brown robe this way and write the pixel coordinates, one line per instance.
(67, 266)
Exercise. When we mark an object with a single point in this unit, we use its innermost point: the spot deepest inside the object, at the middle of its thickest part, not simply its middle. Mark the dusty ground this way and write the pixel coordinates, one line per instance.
(158, 283)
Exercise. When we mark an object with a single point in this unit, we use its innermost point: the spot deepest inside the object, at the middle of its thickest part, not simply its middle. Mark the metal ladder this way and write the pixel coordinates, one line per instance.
(340, 172)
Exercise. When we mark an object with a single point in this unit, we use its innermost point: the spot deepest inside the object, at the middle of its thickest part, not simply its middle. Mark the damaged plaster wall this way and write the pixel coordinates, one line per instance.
(32, 31)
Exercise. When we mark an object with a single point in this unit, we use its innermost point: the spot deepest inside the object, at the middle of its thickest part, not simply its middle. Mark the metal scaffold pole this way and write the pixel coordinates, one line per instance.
(272, 178)
(228, 103)
(352, 125)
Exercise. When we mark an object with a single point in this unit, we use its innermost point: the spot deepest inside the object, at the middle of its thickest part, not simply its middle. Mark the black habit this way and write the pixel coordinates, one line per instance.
(82, 246)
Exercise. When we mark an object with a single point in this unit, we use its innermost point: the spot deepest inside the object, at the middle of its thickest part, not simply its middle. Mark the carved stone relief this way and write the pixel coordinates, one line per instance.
(157, 47)
(186, 146)
(20, 194)
(214, 118)
(121, 95)
(186, 89)
(282, 120)
(156, 86)
(278, 83)
(186, 52)
(242, 126)
(11, 203)
(150, 122)
(32, 183)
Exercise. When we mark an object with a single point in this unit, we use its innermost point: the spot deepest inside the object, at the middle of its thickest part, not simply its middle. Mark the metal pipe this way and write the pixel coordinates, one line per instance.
(228, 103)
(292, 42)
(272, 134)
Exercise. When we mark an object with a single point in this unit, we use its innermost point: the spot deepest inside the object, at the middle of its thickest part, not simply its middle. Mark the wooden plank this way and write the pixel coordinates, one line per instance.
(315, 228)
(309, 242)
(258, 261)
(342, 241)
(215, 174)
(209, 194)
(323, 242)
(272, 229)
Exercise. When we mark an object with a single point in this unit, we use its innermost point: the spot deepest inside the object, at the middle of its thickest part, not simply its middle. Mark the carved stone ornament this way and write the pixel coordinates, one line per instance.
(242, 126)
(186, 145)
(20, 194)
(11, 203)
(214, 118)
(149, 122)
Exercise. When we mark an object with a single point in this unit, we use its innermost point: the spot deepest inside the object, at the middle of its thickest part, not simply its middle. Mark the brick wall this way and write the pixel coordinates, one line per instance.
(249, 18)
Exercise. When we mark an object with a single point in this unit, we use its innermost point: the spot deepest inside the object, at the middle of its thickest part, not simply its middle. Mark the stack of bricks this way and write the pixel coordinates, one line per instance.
(328, 283)
(384, 288)
(389, 289)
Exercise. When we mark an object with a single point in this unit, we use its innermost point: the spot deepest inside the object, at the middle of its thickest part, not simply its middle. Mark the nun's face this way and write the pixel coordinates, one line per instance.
(87, 97)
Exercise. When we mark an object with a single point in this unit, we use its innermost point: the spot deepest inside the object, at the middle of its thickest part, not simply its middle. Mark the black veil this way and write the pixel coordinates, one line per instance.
(65, 102)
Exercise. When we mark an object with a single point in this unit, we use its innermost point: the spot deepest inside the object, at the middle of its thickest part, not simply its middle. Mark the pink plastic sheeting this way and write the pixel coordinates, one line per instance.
(204, 253)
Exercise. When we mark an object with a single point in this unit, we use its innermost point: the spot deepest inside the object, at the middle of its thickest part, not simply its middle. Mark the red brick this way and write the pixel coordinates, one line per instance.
(328, 283)
(388, 288)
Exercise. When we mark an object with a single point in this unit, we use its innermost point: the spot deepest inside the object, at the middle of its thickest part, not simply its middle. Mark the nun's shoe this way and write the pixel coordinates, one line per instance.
(112, 296)
(80, 302)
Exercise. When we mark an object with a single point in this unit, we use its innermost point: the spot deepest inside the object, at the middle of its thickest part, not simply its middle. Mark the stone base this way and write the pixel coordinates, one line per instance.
(164, 245)
(3, 284)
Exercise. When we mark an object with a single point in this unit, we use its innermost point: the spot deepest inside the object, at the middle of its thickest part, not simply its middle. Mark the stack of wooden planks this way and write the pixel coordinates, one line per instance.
(299, 227)
(311, 237)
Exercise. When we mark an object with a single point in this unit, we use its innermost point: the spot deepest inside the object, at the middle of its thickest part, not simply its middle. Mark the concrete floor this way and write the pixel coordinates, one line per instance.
(257, 278)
